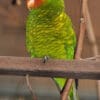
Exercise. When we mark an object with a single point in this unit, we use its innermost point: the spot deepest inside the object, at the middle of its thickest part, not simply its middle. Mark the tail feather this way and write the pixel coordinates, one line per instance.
(60, 82)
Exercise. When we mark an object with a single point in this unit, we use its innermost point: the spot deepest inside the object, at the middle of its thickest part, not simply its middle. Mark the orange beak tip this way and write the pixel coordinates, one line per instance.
(30, 4)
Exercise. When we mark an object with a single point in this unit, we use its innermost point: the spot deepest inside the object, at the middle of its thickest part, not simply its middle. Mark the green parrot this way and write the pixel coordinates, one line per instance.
(50, 34)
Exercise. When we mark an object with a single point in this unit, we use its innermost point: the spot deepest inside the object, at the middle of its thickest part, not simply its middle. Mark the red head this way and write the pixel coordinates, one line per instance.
(34, 3)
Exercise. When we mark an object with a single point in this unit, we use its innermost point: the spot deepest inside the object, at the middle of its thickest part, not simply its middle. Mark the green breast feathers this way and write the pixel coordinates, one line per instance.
(50, 33)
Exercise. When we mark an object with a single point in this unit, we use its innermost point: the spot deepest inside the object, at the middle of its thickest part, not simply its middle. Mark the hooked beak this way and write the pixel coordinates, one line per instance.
(30, 4)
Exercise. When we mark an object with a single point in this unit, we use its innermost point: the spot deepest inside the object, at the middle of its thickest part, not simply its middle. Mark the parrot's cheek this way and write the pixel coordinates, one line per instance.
(32, 4)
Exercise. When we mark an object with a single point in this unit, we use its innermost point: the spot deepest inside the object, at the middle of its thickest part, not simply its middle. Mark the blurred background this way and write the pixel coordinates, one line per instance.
(12, 43)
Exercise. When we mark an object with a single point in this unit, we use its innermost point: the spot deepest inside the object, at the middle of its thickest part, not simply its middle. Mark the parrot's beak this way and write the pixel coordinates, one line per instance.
(34, 3)
(30, 4)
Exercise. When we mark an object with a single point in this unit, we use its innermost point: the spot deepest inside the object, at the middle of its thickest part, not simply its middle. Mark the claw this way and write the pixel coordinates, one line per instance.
(45, 59)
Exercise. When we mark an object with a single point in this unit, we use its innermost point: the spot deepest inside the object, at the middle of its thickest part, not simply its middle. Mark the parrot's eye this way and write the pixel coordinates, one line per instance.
(34, 3)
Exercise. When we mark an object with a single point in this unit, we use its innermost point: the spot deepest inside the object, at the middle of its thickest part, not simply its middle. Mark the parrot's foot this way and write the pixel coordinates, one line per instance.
(45, 59)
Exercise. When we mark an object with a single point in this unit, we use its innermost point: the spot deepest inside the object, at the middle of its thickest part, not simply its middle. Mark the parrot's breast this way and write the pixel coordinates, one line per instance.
(48, 36)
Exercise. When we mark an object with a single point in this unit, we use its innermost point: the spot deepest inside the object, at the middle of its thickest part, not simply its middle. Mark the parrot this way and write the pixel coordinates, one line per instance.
(50, 34)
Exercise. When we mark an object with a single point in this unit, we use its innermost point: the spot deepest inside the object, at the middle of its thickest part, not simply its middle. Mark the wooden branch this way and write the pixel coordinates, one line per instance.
(66, 91)
(83, 69)
(82, 31)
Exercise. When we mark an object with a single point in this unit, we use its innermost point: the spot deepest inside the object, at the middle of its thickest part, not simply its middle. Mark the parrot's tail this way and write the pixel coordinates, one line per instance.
(60, 83)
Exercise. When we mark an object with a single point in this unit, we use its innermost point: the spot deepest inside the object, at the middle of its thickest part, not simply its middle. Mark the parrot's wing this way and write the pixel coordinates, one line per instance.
(29, 46)
(70, 42)
(70, 52)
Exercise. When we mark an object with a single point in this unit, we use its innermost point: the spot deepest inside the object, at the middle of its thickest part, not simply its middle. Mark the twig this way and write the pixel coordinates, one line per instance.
(90, 32)
(82, 31)
(92, 39)
(30, 88)
(79, 47)
(67, 88)
(92, 58)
